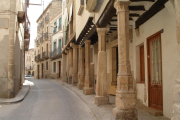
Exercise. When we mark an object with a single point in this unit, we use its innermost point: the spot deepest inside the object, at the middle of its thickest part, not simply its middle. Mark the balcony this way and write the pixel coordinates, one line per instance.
(45, 55)
(41, 39)
(27, 35)
(37, 58)
(46, 36)
(37, 42)
(29, 67)
(55, 54)
(47, 19)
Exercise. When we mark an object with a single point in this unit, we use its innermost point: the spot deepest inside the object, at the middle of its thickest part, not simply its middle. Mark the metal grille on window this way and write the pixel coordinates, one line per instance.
(155, 48)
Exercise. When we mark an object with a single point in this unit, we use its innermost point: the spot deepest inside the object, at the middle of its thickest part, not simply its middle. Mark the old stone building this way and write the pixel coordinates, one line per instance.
(56, 47)
(43, 65)
(126, 48)
(14, 38)
(123, 47)
(29, 62)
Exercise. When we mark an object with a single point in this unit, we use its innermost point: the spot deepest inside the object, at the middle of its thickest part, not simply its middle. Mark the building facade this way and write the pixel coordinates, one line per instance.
(43, 41)
(14, 41)
(127, 48)
(56, 47)
(29, 62)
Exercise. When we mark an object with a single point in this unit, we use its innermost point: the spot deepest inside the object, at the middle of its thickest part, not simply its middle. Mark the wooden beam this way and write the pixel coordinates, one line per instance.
(137, 8)
(134, 15)
(155, 8)
(107, 15)
(142, 0)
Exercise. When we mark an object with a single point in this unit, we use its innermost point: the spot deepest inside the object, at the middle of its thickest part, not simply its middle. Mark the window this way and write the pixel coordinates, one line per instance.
(54, 46)
(46, 65)
(54, 66)
(60, 24)
(55, 26)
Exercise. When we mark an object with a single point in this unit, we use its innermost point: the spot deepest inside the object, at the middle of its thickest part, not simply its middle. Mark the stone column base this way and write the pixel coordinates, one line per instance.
(130, 114)
(69, 80)
(79, 86)
(88, 91)
(101, 100)
(74, 84)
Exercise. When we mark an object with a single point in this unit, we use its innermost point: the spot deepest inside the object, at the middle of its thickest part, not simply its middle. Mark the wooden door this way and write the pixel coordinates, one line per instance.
(38, 72)
(142, 67)
(59, 69)
(42, 70)
(155, 72)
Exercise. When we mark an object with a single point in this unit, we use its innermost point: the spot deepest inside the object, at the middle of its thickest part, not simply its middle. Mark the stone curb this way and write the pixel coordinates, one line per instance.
(19, 97)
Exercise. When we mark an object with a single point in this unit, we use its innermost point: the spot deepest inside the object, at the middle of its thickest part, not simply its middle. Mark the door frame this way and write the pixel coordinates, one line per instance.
(148, 65)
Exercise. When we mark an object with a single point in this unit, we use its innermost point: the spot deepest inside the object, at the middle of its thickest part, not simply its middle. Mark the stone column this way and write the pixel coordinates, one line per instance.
(101, 97)
(63, 67)
(75, 64)
(81, 68)
(70, 65)
(88, 89)
(125, 96)
(67, 65)
(176, 105)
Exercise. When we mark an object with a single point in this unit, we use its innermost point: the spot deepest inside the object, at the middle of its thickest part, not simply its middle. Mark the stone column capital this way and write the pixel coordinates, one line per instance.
(122, 5)
(87, 41)
(102, 30)
(73, 45)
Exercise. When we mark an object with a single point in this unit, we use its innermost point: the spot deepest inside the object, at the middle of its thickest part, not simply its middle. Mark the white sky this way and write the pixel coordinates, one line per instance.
(34, 12)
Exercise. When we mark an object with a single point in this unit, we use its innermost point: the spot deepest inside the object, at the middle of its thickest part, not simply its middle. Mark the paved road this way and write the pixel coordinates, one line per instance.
(47, 100)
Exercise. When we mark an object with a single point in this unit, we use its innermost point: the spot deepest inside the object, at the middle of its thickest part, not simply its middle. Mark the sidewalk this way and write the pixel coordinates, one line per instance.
(19, 97)
(104, 112)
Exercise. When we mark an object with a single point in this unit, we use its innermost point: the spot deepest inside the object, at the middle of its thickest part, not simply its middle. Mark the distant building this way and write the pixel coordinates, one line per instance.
(29, 62)
(14, 40)
(43, 66)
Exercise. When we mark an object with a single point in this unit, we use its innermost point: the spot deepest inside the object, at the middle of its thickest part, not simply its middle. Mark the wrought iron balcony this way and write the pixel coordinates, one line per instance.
(38, 58)
(37, 42)
(41, 39)
(47, 19)
(45, 55)
(46, 36)
(55, 54)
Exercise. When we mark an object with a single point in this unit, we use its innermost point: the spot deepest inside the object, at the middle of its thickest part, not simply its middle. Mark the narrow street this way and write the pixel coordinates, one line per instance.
(47, 100)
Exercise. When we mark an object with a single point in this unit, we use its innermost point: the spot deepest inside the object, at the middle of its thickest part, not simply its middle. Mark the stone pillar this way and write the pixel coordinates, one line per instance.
(81, 68)
(75, 64)
(63, 67)
(88, 89)
(176, 105)
(125, 96)
(101, 97)
(70, 65)
(67, 65)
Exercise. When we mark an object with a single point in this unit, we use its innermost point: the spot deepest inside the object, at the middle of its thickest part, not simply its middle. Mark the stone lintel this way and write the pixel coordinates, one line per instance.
(101, 100)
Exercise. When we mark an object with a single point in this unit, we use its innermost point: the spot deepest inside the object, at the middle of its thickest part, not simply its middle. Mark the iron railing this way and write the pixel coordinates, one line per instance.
(56, 52)
(45, 55)
(46, 35)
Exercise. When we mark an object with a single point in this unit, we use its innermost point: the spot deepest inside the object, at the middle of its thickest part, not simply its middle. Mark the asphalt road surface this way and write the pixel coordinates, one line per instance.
(47, 100)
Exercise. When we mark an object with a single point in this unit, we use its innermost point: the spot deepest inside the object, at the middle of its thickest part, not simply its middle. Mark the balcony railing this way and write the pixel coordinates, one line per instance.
(56, 53)
(29, 67)
(45, 55)
(41, 39)
(38, 58)
(47, 19)
(37, 42)
(46, 35)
